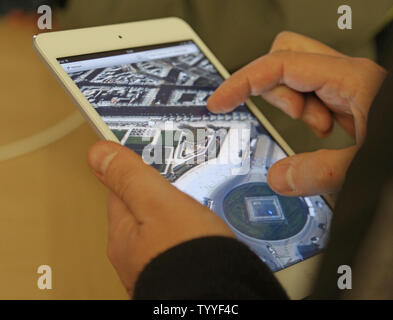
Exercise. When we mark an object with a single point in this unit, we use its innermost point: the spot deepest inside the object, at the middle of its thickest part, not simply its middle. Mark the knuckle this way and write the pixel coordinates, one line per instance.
(324, 175)
(125, 183)
(121, 178)
(327, 175)
(296, 177)
(370, 65)
(366, 62)
(284, 40)
(283, 36)
(308, 178)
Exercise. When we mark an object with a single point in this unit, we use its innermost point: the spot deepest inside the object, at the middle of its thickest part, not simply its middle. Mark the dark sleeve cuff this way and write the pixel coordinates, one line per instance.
(208, 268)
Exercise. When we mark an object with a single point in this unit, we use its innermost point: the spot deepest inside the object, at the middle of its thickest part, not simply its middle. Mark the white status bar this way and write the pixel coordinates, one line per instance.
(127, 58)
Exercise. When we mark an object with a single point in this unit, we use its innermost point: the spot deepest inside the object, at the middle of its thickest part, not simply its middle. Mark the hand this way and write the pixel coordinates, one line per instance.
(312, 82)
(146, 214)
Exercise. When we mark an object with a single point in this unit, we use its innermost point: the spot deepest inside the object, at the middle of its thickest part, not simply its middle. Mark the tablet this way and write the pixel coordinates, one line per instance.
(145, 85)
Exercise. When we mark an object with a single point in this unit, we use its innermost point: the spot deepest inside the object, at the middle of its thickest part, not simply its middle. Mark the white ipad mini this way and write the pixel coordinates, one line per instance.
(145, 85)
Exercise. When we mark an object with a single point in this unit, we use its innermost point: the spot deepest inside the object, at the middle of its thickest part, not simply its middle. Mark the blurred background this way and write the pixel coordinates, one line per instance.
(52, 210)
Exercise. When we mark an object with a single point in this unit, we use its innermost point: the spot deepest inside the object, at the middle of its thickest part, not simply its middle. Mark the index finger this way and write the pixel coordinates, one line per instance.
(303, 72)
(291, 41)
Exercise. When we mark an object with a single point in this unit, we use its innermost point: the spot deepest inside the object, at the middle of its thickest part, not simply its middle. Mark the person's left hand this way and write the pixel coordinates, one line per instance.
(147, 215)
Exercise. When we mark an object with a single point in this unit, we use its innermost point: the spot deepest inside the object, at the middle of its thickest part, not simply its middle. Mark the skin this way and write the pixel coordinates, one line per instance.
(305, 79)
(309, 81)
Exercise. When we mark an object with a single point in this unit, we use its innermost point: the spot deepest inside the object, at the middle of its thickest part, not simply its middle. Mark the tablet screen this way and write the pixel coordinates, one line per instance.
(153, 98)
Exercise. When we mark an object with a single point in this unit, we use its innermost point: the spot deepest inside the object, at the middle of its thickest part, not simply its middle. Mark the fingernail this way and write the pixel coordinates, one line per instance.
(281, 178)
(311, 120)
(213, 107)
(100, 157)
(286, 107)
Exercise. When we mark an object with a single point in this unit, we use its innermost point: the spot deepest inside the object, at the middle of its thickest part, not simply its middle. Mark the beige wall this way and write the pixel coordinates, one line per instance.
(52, 210)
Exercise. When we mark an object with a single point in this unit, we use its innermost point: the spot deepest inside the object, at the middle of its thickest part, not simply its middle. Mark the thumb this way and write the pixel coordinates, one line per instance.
(318, 172)
(138, 185)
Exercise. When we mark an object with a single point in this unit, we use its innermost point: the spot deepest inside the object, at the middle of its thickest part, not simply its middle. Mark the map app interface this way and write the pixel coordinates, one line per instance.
(153, 98)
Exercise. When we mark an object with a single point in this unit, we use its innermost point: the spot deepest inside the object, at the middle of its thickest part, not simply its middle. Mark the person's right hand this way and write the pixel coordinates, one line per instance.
(310, 81)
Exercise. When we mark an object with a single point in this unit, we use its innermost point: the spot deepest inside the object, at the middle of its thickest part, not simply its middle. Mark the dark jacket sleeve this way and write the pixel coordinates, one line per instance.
(357, 207)
(208, 268)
